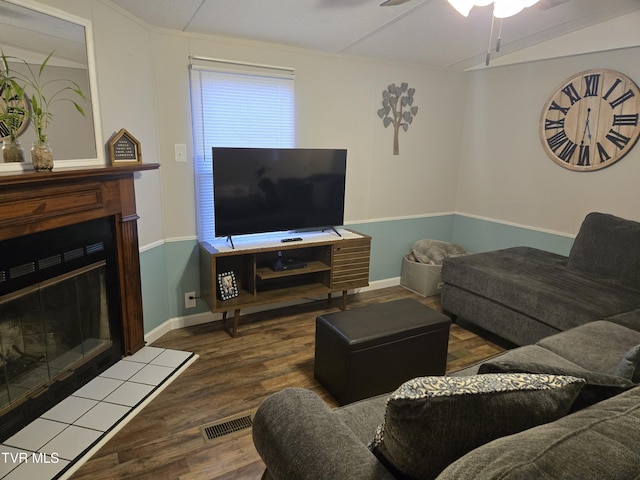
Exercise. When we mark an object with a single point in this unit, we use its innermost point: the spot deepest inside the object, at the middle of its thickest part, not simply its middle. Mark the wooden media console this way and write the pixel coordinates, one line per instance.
(268, 270)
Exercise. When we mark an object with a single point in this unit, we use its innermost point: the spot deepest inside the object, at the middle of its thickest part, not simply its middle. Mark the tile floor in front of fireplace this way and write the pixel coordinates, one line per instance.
(52, 445)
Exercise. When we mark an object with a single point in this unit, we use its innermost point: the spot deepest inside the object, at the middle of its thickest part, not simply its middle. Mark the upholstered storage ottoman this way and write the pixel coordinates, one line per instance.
(374, 349)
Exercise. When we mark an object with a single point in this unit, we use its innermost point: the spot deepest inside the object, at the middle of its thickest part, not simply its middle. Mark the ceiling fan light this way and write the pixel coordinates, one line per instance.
(507, 8)
(462, 6)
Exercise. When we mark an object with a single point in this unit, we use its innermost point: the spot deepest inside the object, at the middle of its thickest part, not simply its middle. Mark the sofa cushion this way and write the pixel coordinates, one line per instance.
(596, 346)
(431, 421)
(526, 354)
(537, 284)
(598, 387)
(629, 366)
(599, 442)
(608, 247)
(363, 416)
(630, 319)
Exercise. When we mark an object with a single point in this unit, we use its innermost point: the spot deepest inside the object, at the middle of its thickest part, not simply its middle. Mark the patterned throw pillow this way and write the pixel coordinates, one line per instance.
(432, 421)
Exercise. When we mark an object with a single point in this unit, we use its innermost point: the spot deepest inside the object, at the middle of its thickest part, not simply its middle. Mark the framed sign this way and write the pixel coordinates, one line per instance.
(124, 149)
(227, 285)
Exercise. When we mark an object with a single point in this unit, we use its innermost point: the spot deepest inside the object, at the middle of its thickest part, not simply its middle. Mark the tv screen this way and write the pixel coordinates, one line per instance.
(257, 190)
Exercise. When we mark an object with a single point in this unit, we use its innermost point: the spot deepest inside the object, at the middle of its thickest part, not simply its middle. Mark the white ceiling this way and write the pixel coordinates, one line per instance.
(427, 32)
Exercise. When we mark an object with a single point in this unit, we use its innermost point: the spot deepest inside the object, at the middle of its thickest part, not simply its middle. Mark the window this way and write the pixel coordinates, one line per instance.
(231, 109)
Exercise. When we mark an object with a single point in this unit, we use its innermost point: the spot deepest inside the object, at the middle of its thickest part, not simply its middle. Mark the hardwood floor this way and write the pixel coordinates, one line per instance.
(274, 350)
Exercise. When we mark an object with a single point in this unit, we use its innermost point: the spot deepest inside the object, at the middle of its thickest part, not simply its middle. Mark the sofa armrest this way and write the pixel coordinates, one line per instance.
(298, 436)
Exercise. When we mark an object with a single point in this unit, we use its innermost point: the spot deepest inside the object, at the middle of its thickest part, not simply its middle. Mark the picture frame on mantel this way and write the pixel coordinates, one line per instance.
(124, 149)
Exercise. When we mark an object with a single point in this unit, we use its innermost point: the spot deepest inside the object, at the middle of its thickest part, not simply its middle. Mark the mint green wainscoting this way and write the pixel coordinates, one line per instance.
(153, 272)
(479, 235)
(171, 269)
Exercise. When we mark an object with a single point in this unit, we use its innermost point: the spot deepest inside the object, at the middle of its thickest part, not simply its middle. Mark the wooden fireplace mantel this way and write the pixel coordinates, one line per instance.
(36, 201)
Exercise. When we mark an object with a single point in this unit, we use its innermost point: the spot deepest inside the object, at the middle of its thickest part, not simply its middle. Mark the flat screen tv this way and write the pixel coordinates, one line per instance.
(258, 190)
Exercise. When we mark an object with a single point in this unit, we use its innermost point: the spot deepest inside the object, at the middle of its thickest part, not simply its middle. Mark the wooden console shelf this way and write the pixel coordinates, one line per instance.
(331, 264)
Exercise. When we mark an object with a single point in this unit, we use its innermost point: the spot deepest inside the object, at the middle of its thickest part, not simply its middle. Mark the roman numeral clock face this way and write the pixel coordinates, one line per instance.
(591, 121)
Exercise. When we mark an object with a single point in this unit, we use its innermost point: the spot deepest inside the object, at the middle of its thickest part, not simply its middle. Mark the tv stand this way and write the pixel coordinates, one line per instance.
(331, 264)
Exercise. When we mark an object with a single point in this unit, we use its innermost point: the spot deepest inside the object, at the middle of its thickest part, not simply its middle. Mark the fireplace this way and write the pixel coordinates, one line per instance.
(59, 318)
(70, 295)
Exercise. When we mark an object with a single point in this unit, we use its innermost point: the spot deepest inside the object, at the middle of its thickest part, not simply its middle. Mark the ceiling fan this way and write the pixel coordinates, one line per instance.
(542, 4)
(501, 9)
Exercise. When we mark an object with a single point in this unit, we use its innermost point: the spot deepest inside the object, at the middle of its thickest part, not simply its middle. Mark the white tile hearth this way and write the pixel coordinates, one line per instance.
(56, 444)
(98, 388)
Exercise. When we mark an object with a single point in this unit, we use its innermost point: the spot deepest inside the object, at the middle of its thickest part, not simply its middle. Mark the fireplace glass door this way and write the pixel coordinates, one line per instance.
(49, 329)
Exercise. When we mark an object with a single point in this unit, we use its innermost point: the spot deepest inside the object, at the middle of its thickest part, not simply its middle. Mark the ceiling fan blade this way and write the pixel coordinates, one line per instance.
(390, 3)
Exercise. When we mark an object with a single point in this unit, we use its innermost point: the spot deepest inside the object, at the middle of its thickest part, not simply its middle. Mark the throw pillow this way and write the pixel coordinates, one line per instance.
(432, 421)
(629, 366)
(598, 386)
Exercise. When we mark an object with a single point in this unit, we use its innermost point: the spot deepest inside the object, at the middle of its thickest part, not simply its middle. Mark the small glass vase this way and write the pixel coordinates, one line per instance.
(42, 156)
(12, 151)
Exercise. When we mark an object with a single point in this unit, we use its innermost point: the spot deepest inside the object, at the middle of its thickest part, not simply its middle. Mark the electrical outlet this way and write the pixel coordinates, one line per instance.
(190, 300)
(180, 152)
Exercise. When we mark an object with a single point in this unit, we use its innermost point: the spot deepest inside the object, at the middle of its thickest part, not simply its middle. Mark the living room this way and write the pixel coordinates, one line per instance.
(474, 131)
(471, 169)
(478, 129)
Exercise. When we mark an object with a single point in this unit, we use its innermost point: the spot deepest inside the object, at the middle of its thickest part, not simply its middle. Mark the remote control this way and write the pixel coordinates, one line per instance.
(293, 239)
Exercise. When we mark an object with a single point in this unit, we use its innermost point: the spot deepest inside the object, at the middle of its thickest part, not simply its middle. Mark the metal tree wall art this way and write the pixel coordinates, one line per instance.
(397, 110)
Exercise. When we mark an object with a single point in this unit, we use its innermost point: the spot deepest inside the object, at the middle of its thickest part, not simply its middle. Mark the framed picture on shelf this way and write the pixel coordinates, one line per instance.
(227, 285)
(124, 149)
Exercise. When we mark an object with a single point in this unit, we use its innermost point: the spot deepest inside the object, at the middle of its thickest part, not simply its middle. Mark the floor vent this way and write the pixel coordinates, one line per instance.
(227, 426)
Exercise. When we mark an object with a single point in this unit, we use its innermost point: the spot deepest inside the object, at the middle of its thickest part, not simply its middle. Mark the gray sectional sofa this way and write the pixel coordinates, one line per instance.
(299, 437)
(576, 317)
(524, 294)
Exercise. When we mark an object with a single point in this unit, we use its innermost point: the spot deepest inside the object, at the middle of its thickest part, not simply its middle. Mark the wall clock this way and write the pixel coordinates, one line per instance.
(591, 120)
(20, 119)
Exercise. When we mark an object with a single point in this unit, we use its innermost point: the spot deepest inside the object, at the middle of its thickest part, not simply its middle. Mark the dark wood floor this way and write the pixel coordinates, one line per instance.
(232, 376)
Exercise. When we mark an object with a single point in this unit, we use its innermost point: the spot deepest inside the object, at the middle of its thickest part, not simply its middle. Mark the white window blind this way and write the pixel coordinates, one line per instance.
(231, 109)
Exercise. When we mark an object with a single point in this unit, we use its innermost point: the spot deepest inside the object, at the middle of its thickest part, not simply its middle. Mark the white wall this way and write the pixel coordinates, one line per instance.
(126, 88)
(505, 174)
(337, 98)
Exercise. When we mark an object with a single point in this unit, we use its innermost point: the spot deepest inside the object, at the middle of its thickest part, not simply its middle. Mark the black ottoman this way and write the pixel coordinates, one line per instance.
(372, 350)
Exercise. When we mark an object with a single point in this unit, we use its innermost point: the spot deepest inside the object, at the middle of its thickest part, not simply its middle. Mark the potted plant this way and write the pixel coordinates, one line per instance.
(41, 94)
(12, 114)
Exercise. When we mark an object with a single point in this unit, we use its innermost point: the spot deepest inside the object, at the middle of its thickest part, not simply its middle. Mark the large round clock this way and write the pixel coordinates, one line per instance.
(20, 119)
(591, 120)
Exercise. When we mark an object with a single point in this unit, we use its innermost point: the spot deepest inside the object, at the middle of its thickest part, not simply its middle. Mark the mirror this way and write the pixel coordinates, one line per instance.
(31, 32)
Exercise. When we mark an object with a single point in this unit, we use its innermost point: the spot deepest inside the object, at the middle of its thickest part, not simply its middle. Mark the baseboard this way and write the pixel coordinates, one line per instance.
(207, 317)
(180, 322)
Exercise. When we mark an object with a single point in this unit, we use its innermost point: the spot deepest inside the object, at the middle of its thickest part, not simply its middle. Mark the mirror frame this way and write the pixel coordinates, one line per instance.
(99, 160)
